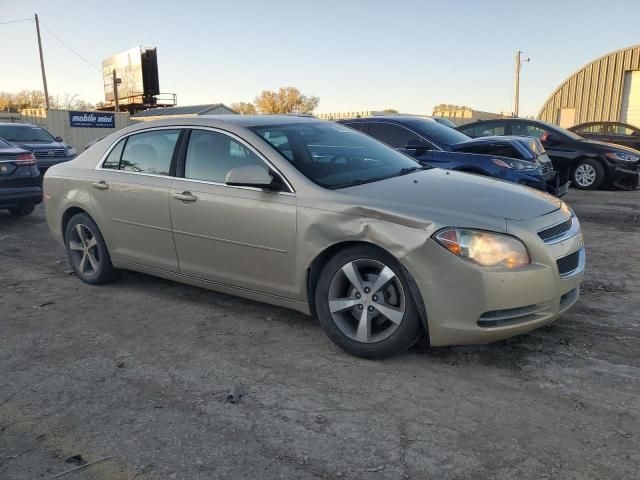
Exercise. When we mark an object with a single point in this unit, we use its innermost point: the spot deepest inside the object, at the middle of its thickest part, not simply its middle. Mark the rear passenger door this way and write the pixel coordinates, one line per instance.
(130, 196)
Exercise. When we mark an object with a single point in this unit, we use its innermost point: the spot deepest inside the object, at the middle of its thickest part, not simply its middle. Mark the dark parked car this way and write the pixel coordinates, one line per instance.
(428, 141)
(19, 180)
(612, 132)
(588, 163)
(48, 150)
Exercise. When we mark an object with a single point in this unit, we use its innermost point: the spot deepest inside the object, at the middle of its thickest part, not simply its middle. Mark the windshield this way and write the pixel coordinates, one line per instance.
(22, 133)
(438, 132)
(334, 156)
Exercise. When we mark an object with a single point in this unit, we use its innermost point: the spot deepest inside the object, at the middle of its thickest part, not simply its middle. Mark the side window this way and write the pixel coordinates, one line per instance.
(622, 130)
(149, 152)
(488, 130)
(113, 159)
(595, 129)
(210, 156)
(355, 125)
(527, 130)
(393, 135)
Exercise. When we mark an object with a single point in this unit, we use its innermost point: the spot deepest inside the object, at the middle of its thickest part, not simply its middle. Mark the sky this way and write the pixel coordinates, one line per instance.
(355, 55)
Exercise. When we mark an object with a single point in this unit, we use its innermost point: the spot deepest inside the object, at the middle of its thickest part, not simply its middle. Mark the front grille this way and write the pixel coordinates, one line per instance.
(569, 263)
(53, 153)
(546, 167)
(555, 231)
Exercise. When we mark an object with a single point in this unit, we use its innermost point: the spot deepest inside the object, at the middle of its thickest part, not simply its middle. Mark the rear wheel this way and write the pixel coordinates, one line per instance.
(87, 250)
(364, 303)
(588, 174)
(22, 209)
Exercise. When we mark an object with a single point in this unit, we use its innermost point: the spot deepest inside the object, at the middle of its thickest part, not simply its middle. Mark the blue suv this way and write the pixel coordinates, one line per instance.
(47, 149)
(515, 159)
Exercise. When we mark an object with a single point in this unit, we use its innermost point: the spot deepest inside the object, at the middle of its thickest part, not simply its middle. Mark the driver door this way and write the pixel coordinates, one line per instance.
(238, 236)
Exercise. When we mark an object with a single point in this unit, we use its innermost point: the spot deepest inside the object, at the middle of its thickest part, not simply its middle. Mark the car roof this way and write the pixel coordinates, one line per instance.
(607, 122)
(19, 125)
(258, 120)
(394, 118)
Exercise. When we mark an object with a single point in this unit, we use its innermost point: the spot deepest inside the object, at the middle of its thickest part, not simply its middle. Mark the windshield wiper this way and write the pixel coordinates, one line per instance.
(405, 171)
(360, 181)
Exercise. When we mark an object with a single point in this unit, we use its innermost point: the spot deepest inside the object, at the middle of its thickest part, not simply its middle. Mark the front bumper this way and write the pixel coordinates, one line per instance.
(17, 196)
(46, 163)
(557, 184)
(466, 303)
(625, 177)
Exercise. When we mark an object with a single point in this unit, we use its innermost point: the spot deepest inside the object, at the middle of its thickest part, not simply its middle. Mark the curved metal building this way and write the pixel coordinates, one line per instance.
(607, 89)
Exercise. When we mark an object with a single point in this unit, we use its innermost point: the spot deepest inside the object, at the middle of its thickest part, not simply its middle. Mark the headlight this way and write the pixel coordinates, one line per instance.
(485, 248)
(71, 151)
(514, 163)
(622, 157)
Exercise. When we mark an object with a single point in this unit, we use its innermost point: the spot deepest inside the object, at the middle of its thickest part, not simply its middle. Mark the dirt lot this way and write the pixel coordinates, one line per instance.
(138, 372)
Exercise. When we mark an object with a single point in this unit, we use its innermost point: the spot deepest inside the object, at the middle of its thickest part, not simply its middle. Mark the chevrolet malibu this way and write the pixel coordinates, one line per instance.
(320, 218)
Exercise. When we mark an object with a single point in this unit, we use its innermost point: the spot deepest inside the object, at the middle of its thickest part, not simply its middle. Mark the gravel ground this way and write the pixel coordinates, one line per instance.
(139, 372)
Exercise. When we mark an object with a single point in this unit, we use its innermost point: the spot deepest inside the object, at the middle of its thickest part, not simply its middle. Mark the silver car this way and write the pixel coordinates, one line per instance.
(317, 217)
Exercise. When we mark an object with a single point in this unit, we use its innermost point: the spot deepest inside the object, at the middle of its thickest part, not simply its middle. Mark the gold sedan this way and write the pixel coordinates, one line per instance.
(317, 217)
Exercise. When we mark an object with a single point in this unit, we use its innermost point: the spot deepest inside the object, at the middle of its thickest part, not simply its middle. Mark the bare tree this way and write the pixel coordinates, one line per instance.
(286, 100)
(244, 108)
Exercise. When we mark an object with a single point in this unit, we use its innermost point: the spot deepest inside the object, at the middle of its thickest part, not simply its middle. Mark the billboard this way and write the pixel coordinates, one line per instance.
(92, 119)
(128, 67)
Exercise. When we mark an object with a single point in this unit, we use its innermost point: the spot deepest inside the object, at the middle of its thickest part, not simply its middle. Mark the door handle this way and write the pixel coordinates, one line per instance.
(185, 197)
(101, 185)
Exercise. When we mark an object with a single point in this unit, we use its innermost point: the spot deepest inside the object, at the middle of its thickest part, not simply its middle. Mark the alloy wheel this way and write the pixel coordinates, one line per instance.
(585, 175)
(366, 300)
(83, 246)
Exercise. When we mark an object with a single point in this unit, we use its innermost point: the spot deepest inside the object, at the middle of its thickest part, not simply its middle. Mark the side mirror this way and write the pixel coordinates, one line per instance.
(58, 139)
(251, 176)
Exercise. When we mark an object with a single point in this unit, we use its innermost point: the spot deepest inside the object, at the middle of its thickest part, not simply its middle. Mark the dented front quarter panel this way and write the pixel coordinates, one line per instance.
(345, 218)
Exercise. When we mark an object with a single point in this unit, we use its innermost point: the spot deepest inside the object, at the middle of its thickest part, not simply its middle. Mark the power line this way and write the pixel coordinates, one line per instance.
(17, 21)
(69, 48)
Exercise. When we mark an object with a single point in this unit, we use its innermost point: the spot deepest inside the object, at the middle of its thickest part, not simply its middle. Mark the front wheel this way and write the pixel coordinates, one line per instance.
(87, 250)
(22, 210)
(588, 174)
(364, 303)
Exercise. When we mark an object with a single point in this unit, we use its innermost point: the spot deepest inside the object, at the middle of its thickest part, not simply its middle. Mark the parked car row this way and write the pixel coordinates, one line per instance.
(324, 219)
(590, 164)
(26, 152)
(515, 159)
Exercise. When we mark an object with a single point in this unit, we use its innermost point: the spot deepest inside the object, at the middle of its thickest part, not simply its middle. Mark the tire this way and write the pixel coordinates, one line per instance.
(366, 323)
(87, 251)
(588, 174)
(22, 210)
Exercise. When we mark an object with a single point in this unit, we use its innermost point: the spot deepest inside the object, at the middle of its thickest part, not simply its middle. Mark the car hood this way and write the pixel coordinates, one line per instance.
(608, 147)
(447, 192)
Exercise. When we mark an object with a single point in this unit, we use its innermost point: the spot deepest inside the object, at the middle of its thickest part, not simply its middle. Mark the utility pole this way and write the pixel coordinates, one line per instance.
(44, 76)
(115, 81)
(516, 100)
